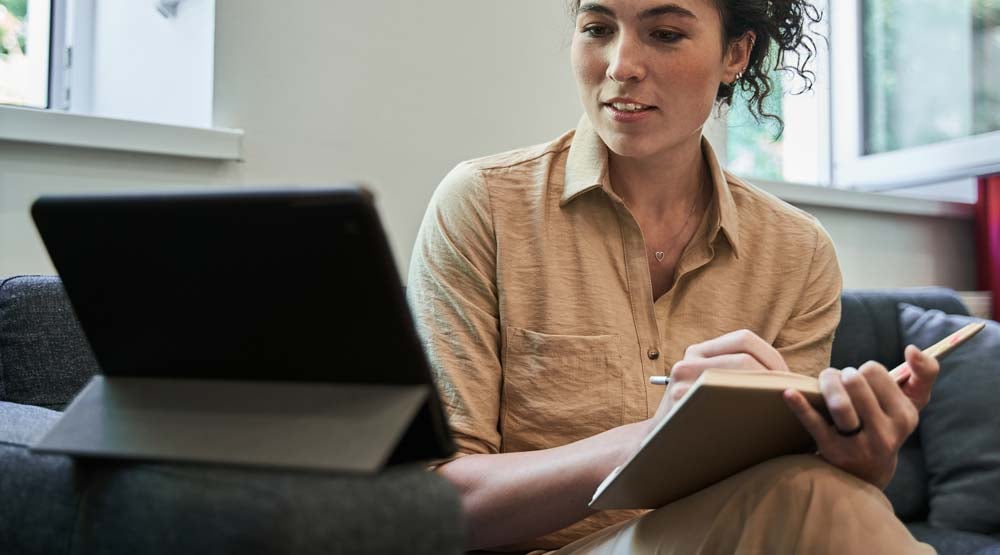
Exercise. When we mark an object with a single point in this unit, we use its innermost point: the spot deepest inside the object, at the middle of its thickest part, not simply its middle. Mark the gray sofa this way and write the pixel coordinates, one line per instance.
(934, 499)
(53, 504)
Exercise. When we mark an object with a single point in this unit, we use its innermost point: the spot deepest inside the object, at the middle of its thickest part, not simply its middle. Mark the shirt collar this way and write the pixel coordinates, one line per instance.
(587, 169)
(587, 163)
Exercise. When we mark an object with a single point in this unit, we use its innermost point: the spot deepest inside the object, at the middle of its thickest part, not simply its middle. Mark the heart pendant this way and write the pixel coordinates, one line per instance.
(659, 256)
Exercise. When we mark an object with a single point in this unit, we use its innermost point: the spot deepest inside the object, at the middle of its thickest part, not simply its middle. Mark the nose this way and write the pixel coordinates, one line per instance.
(625, 61)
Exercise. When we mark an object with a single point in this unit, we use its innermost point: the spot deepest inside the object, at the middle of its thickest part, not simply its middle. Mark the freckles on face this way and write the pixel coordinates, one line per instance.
(662, 59)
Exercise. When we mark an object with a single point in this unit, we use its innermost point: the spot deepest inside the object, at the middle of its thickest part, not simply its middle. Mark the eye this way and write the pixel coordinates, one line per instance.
(666, 35)
(597, 30)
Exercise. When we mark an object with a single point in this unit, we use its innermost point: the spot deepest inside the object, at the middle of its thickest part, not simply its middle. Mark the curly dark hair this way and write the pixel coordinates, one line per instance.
(782, 28)
(783, 23)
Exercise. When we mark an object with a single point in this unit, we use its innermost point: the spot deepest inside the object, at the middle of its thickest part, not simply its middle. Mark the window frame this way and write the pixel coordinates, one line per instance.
(67, 121)
(71, 54)
(940, 162)
(57, 56)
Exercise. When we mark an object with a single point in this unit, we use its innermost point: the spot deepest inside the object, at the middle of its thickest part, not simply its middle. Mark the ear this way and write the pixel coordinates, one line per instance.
(738, 56)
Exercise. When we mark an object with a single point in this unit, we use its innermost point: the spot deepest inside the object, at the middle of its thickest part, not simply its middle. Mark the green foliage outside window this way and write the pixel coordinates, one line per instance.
(13, 13)
(17, 7)
(19, 10)
(753, 147)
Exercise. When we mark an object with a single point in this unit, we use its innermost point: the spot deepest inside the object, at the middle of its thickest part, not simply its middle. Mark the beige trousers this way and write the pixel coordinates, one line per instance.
(797, 504)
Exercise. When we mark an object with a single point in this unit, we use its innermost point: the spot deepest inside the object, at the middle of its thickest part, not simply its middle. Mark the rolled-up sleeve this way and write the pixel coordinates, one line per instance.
(452, 292)
(806, 339)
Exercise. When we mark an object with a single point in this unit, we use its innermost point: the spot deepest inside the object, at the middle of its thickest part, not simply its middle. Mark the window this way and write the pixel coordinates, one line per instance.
(799, 154)
(754, 148)
(907, 99)
(931, 71)
(147, 61)
(24, 52)
(916, 93)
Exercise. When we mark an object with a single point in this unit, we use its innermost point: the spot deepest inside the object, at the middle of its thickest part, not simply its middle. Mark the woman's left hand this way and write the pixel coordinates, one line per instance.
(872, 415)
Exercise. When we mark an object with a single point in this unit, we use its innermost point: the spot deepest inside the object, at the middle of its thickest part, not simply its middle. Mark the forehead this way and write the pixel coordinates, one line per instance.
(703, 11)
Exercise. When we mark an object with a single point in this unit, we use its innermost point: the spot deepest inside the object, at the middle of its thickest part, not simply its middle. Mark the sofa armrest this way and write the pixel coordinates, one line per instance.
(57, 504)
(869, 322)
(45, 358)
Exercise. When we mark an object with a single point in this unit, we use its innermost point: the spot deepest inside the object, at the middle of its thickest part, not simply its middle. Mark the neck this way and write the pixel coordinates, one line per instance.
(667, 184)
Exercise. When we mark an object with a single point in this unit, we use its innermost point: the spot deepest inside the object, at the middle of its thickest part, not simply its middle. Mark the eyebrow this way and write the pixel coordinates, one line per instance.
(665, 9)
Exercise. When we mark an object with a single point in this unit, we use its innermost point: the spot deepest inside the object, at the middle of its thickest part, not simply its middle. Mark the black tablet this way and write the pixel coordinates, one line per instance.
(288, 285)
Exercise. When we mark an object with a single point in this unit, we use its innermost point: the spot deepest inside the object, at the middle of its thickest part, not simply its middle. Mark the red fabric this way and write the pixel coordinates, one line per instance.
(988, 238)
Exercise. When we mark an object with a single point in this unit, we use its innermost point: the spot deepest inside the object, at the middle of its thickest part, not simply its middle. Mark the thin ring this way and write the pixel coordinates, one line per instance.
(852, 432)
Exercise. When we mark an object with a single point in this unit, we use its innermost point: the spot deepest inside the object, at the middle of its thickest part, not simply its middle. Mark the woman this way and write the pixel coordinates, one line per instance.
(551, 282)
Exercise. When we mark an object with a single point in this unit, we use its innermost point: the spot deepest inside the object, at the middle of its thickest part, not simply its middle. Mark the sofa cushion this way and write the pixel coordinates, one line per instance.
(38, 493)
(869, 322)
(44, 357)
(959, 427)
(954, 542)
(907, 491)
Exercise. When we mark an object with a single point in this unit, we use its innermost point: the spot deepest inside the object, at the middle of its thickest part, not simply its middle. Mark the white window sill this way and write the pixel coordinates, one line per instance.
(66, 129)
(871, 202)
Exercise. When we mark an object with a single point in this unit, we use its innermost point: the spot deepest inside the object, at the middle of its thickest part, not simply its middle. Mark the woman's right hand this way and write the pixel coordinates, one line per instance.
(737, 350)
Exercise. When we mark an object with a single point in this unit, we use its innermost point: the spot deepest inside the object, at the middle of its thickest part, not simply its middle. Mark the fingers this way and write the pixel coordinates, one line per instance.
(737, 361)
(900, 413)
(924, 370)
(833, 385)
(867, 398)
(853, 454)
(742, 341)
(811, 419)
(885, 391)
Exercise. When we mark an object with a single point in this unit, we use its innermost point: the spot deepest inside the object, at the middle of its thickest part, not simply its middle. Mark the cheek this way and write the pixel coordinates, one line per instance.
(699, 81)
(588, 66)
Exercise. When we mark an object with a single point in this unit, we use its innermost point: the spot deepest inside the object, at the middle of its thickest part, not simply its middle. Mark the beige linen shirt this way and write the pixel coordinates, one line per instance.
(530, 287)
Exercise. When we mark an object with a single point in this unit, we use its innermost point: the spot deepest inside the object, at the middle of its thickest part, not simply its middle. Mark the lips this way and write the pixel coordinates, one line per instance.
(626, 110)
(629, 106)
(624, 104)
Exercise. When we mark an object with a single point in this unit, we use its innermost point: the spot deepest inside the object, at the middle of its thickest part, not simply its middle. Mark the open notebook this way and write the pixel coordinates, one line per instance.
(728, 422)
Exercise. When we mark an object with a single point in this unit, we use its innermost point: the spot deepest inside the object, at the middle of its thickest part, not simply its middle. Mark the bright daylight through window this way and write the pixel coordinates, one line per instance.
(24, 52)
(931, 71)
(915, 92)
(754, 148)
(131, 60)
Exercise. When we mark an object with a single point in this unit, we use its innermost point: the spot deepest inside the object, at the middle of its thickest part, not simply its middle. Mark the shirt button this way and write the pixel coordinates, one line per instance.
(653, 354)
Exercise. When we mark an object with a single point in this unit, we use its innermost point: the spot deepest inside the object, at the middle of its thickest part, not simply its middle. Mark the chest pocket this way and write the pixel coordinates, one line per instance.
(559, 388)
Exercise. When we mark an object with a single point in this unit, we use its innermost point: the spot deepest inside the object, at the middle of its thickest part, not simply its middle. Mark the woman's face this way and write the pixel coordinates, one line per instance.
(648, 70)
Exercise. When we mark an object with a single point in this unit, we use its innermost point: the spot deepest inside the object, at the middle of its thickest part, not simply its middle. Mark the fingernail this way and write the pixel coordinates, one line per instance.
(848, 374)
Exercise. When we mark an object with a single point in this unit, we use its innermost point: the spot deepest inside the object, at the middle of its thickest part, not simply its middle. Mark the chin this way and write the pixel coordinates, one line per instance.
(628, 146)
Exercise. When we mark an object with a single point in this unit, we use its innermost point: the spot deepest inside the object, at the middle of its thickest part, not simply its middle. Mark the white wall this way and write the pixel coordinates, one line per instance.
(394, 94)
(28, 170)
(895, 250)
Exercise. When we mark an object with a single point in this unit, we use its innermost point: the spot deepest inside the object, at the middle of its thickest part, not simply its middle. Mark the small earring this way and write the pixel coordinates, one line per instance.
(737, 80)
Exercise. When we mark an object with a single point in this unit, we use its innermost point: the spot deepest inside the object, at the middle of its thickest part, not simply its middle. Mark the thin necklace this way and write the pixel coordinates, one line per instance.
(660, 254)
